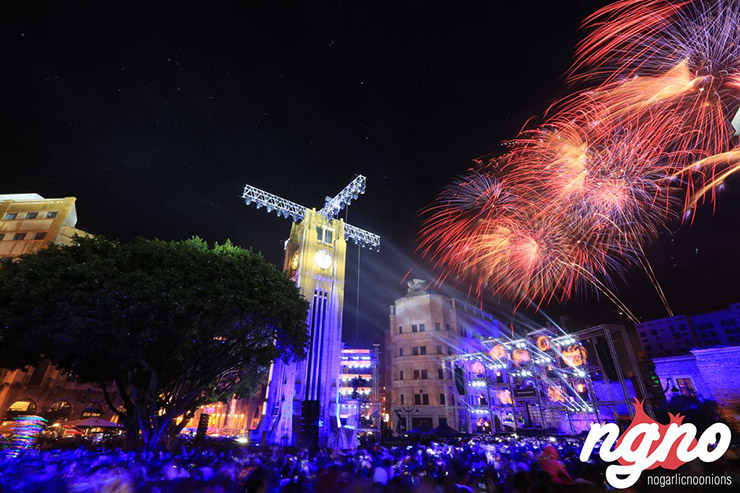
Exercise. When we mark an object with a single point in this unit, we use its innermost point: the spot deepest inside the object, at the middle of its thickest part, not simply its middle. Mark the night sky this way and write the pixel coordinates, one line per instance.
(155, 117)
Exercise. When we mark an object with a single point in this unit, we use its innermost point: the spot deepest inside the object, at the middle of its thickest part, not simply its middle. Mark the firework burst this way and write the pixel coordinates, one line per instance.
(570, 207)
(670, 63)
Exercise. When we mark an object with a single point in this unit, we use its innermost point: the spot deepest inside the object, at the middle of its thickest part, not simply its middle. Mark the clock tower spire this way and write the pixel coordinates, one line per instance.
(301, 400)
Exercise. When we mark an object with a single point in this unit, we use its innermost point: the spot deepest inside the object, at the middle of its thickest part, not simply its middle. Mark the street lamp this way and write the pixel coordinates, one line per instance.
(669, 383)
(408, 410)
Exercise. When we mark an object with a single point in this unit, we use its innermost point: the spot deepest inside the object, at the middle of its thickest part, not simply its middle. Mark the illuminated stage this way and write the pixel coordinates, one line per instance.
(547, 381)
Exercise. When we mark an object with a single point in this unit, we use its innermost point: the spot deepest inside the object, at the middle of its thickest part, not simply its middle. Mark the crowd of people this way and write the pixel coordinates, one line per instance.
(492, 464)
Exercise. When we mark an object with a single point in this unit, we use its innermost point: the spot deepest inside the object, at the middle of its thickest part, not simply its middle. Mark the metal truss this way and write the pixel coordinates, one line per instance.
(287, 209)
(333, 205)
(361, 237)
(284, 207)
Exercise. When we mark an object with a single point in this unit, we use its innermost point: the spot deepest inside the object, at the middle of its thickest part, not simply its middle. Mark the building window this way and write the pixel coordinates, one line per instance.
(39, 236)
(32, 215)
(417, 399)
(439, 349)
(400, 375)
(414, 328)
(441, 373)
(402, 399)
(425, 399)
(417, 375)
(421, 328)
(424, 375)
(415, 350)
(19, 236)
(324, 235)
(400, 329)
(447, 327)
(2, 236)
(686, 386)
(437, 327)
(423, 350)
(9, 216)
(51, 214)
(400, 351)
(442, 401)
(654, 332)
(449, 351)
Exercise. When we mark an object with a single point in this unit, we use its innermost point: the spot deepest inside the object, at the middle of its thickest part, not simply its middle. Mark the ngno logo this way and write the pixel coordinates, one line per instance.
(647, 444)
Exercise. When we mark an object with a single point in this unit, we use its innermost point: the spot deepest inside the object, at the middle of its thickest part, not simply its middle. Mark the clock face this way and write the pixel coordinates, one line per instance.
(323, 259)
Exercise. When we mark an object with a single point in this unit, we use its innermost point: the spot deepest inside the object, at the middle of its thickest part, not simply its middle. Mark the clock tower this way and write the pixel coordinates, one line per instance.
(301, 404)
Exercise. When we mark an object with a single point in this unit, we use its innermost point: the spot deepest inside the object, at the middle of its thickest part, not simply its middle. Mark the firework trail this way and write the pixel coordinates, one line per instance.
(568, 210)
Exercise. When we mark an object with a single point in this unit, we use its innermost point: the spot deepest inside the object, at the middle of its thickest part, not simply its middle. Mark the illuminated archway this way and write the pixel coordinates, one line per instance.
(23, 407)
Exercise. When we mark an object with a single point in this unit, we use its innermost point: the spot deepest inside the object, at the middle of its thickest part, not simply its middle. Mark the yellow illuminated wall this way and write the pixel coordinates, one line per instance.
(29, 222)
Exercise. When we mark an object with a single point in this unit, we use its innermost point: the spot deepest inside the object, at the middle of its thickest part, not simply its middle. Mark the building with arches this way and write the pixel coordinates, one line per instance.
(29, 223)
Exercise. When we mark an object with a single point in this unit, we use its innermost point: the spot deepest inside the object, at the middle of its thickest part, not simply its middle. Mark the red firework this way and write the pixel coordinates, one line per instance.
(573, 203)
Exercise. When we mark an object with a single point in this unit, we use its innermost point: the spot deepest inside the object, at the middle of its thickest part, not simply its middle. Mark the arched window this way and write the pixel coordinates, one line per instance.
(23, 407)
(59, 411)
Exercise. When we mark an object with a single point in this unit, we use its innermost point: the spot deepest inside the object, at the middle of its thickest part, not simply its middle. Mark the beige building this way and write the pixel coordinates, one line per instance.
(425, 328)
(29, 222)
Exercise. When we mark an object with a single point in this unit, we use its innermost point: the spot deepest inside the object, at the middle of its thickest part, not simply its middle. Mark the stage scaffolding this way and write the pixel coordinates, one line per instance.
(544, 381)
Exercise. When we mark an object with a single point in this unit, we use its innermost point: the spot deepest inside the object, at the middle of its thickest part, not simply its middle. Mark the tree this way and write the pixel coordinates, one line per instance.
(701, 413)
(171, 325)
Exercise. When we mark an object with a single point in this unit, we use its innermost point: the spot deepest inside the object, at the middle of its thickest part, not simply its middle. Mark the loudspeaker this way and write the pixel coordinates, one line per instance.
(309, 436)
(200, 434)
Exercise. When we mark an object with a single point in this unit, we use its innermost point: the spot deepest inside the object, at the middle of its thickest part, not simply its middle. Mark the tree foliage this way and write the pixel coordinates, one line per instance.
(171, 325)
(701, 413)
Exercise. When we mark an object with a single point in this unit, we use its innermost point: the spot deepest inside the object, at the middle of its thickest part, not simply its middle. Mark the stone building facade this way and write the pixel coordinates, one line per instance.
(424, 329)
(707, 373)
(29, 223)
(47, 391)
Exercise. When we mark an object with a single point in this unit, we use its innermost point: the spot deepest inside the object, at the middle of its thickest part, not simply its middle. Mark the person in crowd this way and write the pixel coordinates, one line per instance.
(493, 464)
